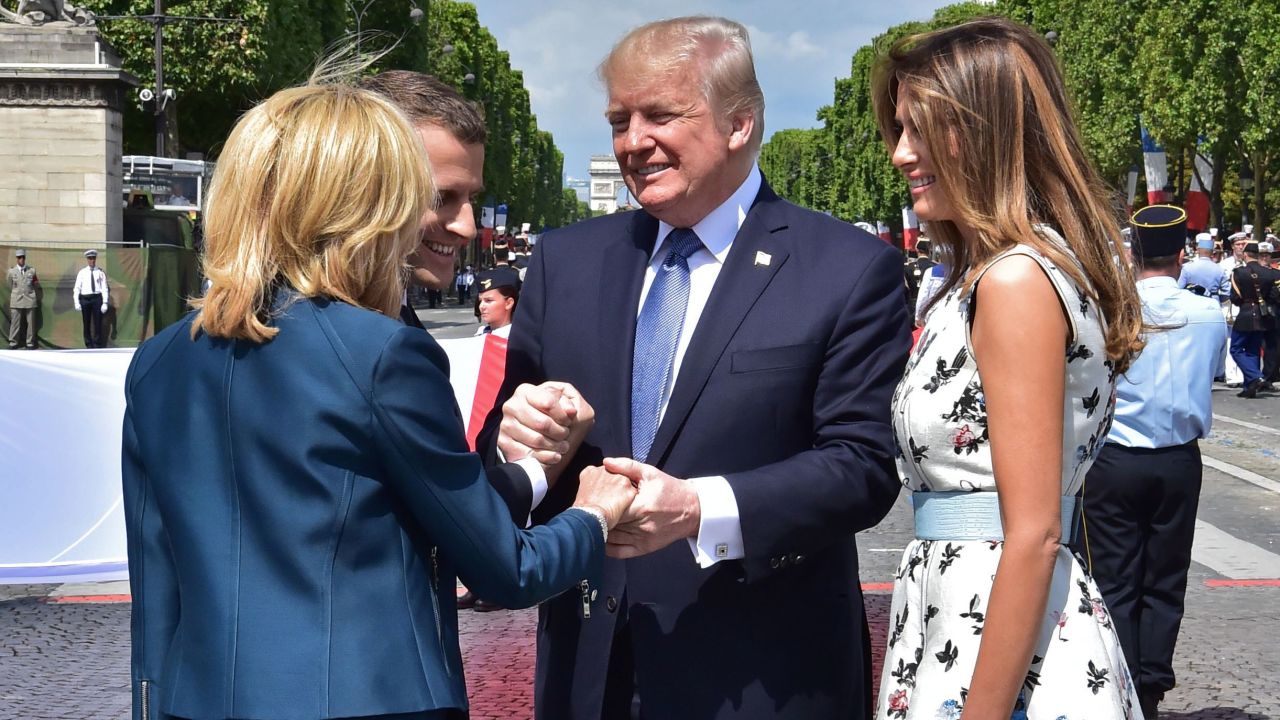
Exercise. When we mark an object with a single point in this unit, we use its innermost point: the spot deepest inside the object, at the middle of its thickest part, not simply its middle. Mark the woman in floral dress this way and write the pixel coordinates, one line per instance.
(1008, 395)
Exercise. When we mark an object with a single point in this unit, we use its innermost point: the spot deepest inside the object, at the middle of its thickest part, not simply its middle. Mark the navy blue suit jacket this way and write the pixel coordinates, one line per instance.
(297, 513)
(785, 390)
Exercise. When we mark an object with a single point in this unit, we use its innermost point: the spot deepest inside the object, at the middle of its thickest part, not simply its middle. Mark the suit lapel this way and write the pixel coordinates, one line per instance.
(743, 278)
(621, 280)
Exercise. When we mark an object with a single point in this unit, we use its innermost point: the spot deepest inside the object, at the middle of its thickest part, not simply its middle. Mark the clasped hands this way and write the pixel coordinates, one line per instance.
(646, 509)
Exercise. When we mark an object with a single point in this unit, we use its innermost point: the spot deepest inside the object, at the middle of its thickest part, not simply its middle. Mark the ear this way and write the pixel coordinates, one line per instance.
(741, 125)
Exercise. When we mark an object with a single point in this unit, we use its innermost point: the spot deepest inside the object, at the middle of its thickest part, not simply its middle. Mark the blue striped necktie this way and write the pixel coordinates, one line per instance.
(657, 335)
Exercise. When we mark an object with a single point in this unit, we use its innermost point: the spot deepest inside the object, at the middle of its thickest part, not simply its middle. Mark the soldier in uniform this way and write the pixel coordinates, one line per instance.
(90, 296)
(1202, 275)
(499, 292)
(22, 302)
(1271, 343)
(1255, 290)
(1141, 495)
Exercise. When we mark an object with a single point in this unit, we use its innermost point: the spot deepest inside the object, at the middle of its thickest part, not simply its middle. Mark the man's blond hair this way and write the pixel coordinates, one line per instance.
(716, 50)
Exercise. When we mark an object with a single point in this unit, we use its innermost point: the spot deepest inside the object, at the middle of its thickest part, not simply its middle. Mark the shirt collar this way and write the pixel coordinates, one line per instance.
(718, 229)
(1160, 281)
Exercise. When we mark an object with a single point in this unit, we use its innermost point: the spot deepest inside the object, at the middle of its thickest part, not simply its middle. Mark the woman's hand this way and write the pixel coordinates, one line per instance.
(607, 492)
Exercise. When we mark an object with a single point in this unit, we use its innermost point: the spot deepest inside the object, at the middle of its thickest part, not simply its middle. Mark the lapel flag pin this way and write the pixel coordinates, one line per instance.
(763, 258)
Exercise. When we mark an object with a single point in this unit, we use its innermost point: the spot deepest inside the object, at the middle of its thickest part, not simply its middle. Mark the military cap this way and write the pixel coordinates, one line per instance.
(1159, 230)
(497, 278)
(1204, 241)
(1252, 248)
(91, 253)
(1266, 247)
(20, 253)
(923, 246)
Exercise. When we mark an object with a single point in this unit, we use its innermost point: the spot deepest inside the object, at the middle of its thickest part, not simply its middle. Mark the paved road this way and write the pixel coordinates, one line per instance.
(62, 659)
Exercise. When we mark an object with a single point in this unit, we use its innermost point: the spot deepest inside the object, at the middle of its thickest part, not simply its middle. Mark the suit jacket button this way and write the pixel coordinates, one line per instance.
(784, 561)
(611, 603)
(773, 563)
(799, 559)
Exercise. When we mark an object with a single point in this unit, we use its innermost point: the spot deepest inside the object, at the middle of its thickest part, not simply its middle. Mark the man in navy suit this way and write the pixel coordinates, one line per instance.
(741, 353)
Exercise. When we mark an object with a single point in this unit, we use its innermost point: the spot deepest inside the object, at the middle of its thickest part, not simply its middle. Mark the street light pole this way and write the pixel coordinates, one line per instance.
(162, 120)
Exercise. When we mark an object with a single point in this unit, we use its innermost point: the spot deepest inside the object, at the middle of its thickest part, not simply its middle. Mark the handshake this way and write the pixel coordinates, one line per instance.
(645, 508)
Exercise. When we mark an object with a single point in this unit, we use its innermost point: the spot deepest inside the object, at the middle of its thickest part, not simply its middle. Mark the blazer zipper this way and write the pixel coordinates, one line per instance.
(146, 700)
(585, 587)
(435, 606)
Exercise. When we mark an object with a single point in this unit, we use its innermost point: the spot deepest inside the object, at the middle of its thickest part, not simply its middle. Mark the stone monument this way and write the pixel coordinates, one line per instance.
(62, 94)
(606, 181)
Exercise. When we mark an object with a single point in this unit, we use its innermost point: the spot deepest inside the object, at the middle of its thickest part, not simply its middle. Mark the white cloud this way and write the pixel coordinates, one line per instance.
(795, 46)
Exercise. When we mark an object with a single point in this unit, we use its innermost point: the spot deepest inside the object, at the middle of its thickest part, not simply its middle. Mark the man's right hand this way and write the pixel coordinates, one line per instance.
(547, 422)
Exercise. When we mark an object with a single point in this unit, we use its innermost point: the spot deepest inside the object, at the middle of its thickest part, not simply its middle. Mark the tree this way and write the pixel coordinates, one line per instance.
(221, 70)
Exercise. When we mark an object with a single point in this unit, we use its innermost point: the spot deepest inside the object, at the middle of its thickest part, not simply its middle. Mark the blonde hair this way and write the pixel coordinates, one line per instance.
(717, 49)
(321, 189)
(990, 106)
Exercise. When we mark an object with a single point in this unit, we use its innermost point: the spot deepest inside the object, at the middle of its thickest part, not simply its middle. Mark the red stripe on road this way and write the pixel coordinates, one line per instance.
(874, 587)
(1274, 582)
(91, 599)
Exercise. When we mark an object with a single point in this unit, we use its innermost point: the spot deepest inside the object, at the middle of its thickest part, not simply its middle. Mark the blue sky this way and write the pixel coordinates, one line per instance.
(800, 49)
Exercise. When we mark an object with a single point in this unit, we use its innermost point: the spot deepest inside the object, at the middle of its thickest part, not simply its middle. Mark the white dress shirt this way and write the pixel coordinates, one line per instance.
(86, 285)
(720, 531)
(1165, 399)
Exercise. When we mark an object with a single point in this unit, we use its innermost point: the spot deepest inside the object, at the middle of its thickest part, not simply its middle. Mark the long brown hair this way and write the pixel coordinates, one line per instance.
(990, 105)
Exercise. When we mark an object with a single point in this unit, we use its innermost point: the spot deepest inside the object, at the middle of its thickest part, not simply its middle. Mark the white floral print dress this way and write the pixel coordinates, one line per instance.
(941, 589)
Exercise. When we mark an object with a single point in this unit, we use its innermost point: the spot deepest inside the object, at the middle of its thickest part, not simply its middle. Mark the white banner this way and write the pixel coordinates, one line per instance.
(62, 516)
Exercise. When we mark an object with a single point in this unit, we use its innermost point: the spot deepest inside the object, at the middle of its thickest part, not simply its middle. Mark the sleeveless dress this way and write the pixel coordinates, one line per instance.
(941, 587)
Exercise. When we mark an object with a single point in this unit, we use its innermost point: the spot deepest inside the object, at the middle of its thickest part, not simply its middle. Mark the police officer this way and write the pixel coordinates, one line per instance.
(22, 302)
(90, 296)
(1202, 275)
(1255, 290)
(1205, 276)
(1141, 495)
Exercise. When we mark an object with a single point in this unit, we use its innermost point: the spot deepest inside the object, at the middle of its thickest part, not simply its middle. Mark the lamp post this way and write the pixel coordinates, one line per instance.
(1246, 187)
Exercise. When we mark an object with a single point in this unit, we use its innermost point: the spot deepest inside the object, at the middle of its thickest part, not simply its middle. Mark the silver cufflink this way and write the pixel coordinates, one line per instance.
(722, 550)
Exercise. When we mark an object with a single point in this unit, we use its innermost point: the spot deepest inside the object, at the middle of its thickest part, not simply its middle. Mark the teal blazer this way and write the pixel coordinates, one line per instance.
(297, 514)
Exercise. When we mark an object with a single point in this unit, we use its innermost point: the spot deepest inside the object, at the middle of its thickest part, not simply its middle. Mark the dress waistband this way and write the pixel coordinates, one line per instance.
(971, 516)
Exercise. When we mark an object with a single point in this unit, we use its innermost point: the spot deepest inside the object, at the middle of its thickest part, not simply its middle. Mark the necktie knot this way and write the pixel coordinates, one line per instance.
(681, 243)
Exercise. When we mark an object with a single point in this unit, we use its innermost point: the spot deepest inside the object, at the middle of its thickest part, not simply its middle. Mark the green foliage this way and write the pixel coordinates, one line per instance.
(843, 167)
(1192, 69)
(222, 69)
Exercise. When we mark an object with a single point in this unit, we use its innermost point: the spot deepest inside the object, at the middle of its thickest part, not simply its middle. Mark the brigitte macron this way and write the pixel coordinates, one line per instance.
(299, 495)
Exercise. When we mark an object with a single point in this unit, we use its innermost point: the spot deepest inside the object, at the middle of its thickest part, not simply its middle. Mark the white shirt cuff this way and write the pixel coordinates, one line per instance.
(537, 483)
(720, 530)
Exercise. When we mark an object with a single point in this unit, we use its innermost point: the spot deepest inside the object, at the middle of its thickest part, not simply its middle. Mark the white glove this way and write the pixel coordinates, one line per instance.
(77, 307)
(104, 308)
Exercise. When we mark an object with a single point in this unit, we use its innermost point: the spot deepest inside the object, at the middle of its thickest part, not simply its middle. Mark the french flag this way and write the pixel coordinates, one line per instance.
(883, 231)
(1198, 196)
(910, 229)
(1157, 167)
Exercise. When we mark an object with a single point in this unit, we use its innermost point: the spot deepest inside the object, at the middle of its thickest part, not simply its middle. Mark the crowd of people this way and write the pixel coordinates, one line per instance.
(686, 446)
(1245, 282)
